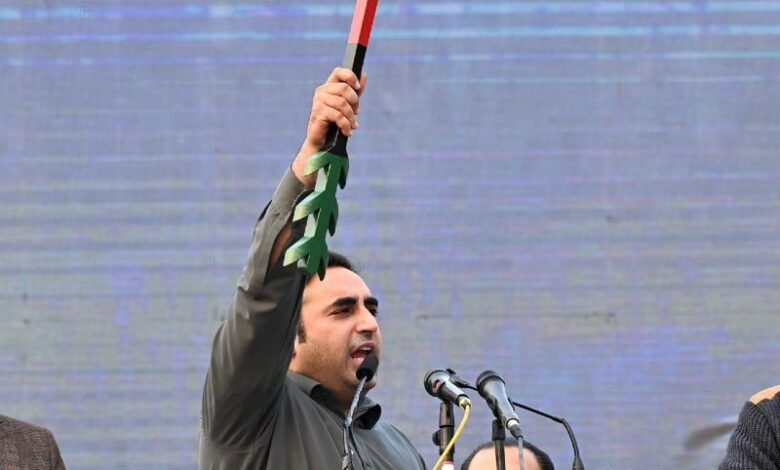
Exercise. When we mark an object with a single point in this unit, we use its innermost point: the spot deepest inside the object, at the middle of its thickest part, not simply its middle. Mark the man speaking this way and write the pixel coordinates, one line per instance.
(283, 364)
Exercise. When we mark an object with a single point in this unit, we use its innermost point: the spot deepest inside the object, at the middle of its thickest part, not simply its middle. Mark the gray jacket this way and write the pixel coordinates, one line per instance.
(256, 414)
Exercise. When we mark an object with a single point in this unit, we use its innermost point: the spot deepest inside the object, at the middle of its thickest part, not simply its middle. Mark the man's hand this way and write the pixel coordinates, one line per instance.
(336, 101)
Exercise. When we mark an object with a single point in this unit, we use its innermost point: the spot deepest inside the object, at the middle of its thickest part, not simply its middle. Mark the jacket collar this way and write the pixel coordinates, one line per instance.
(367, 413)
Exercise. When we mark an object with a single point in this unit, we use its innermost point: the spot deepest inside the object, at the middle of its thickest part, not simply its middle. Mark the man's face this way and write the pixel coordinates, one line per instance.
(338, 318)
(485, 459)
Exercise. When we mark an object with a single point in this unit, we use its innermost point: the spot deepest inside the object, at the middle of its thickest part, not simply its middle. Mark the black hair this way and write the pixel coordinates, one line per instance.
(337, 260)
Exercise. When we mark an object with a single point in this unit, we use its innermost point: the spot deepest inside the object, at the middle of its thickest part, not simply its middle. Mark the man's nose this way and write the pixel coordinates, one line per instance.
(366, 321)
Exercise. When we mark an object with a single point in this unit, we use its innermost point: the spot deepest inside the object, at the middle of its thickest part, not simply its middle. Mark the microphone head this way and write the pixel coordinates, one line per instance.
(485, 378)
(433, 380)
(368, 368)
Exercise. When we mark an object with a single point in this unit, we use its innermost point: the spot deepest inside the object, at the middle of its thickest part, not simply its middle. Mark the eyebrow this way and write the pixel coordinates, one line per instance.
(352, 301)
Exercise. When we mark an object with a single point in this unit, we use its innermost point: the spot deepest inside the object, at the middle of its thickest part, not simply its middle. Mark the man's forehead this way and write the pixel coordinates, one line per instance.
(338, 283)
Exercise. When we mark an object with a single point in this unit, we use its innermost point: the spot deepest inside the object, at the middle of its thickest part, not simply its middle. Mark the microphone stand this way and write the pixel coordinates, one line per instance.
(444, 435)
(577, 463)
(498, 437)
(364, 373)
(346, 463)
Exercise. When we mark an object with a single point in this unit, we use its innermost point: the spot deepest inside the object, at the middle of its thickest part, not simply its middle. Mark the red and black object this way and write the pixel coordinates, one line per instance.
(359, 35)
(357, 45)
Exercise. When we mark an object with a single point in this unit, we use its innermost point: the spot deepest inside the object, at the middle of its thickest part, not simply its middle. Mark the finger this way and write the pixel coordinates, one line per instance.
(325, 115)
(345, 124)
(341, 90)
(344, 75)
(340, 104)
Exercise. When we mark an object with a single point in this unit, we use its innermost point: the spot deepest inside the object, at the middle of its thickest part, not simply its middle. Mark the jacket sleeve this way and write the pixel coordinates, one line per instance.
(253, 347)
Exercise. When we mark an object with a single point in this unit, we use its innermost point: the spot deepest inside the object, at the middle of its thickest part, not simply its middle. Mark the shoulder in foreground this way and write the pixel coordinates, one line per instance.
(766, 394)
(8, 423)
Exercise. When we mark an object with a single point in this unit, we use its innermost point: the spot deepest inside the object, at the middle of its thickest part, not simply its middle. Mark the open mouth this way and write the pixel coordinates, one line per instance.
(360, 353)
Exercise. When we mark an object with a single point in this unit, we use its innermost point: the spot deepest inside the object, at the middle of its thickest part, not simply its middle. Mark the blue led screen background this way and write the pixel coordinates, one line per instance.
(582, 196)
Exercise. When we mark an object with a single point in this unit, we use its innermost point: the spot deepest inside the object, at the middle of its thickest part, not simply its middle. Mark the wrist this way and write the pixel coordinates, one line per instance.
(299, 167)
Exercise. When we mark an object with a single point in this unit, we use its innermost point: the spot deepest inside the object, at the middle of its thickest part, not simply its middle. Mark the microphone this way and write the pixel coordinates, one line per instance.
(491, 387)
(367, 368)
(364, 373)
(439, 384)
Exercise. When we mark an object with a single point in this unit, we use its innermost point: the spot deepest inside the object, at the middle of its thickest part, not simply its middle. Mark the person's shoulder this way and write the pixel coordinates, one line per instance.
(402, 439)
(387, 427)
(19, 426)
(770, 393)
(763, 407)
(391, 431)
(34, 444)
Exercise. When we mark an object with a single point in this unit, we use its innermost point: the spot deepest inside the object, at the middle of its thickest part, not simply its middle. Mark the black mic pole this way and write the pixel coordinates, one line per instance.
(498, 436)
(444, 435)
(577, 464)
(365, 373)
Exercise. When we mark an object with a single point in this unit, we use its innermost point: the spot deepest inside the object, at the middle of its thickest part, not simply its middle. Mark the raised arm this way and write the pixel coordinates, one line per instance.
(253, 347)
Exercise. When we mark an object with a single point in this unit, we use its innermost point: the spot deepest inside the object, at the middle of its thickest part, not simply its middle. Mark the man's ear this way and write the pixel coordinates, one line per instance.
(295, 347)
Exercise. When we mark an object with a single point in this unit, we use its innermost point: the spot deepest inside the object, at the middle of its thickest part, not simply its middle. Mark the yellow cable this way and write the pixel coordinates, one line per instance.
(464, 403)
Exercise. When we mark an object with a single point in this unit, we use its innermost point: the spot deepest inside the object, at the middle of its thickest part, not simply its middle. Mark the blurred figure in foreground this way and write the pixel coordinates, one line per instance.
(24, 446)
(755, 443)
